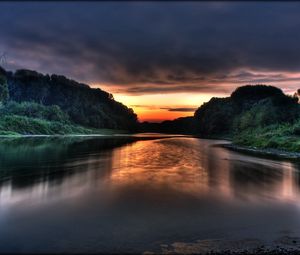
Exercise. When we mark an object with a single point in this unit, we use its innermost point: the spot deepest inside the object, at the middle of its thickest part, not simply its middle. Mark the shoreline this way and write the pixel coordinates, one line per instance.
(269, 153)
(66, 135)
(131, 136)
(69, 135)
(258, 152)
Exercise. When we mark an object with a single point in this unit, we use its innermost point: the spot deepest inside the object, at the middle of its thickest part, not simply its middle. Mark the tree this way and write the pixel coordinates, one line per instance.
(84, 105)
(4, 95)
(297, 95)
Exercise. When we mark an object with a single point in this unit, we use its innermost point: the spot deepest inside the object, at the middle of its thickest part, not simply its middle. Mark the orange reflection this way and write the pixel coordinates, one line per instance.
(184, 165)
(164, 164)
(197, 167)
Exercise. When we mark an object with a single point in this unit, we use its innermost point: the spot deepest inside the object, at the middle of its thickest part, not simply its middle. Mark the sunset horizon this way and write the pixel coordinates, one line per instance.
(169, 106)
(163, 67)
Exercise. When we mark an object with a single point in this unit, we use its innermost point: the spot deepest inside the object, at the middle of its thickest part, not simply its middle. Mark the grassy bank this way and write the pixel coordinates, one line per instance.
(279, 136)
(20, 125)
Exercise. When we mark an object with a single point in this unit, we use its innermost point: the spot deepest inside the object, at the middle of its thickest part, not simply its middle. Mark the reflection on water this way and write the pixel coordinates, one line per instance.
(123, 195)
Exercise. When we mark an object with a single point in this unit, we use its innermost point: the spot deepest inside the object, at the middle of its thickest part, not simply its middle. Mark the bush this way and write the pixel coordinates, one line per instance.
(215, 117)
(276, 110)
(14, 124)
(255, 93)
(277, 136)
(34, 110)
(4, 95)
(84, 105)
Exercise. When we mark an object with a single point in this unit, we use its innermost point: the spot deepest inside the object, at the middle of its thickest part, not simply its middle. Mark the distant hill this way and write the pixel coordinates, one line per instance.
(183, 125)
(85, 106)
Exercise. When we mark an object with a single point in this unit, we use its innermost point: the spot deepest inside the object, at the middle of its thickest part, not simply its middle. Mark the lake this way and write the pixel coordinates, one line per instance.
(158, 194)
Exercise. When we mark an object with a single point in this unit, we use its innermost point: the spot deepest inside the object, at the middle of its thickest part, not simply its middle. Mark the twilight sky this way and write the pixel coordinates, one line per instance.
(163, 59)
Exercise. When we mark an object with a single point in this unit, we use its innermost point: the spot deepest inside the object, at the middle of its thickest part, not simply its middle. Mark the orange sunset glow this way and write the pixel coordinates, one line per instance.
(160, 107)
(157, 107)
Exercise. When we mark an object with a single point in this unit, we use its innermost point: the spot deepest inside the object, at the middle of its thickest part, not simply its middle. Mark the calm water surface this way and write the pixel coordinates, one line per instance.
(118, 195)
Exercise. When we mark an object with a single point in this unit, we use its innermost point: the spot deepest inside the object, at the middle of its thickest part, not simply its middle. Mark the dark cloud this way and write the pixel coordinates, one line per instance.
(182, 109)
(180, 88)
(155, 47)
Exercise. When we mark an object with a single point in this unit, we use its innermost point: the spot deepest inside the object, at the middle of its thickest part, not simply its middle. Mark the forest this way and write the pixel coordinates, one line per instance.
(33, 103)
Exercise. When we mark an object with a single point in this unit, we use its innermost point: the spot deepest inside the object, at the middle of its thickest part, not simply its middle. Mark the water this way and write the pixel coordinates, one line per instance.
(121, 195)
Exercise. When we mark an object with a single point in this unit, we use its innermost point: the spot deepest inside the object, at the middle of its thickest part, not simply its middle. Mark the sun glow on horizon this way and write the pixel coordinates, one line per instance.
(157, 107)
(160, 107)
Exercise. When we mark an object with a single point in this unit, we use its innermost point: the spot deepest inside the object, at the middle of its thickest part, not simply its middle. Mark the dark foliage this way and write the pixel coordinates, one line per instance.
(184, 125)
(254, 93)
(247, 107)
(4, 95)
(85, 106)
(2, 72)
(215, 117)
(35, 110)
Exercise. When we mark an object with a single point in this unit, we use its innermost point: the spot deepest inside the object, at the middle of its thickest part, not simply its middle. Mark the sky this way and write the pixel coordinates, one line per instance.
(163, 59)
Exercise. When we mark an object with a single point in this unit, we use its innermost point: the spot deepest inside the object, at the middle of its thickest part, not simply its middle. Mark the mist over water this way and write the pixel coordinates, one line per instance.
(121, 195)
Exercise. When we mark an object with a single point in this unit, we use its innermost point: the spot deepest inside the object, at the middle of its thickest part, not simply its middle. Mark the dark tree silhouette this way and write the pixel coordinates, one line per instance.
(85, 106)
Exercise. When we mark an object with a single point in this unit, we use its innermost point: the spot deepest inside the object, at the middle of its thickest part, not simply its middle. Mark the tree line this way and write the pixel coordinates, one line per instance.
(245, 113)
(68, 99)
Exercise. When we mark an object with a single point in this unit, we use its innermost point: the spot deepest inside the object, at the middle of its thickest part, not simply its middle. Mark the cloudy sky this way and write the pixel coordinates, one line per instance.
(162, 58)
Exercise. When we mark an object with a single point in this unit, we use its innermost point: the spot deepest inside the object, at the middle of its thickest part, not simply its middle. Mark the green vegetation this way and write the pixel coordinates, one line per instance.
(256, 116)
(34, 110)
(17, 125)
(278, 136)
(215, 117)
(3, 88)
(14, 124)
(36, 104)
(85, 106)
(28, 118)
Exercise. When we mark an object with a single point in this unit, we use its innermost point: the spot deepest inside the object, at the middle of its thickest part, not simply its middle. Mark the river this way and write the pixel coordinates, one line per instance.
(166, 194)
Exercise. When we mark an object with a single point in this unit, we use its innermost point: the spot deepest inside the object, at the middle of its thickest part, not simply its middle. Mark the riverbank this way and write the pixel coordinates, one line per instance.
(92, 133)
(78, 131)
(254, 150)
(15, 125)
(280, 142)
(265, 152)
(101, 132)
(285, 137)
